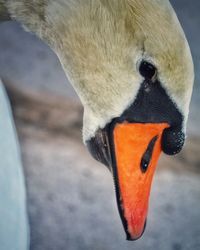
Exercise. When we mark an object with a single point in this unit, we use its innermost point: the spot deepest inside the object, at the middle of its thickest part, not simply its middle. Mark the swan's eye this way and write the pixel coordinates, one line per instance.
(147, 70)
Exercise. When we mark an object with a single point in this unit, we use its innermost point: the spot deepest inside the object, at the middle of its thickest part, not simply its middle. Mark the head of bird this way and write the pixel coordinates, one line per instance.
(131, 65)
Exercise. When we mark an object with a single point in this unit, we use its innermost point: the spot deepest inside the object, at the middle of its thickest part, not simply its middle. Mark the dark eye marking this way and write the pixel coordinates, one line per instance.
(148, 70)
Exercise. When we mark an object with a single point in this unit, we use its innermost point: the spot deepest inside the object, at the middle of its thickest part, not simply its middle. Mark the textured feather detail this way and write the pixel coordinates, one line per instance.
(100, 44)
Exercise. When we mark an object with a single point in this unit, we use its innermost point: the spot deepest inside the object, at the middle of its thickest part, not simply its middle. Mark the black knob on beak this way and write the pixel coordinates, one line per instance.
(172, 141)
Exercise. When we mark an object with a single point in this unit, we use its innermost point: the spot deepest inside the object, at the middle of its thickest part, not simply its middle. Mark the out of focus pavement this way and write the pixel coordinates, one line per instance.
(71, 200)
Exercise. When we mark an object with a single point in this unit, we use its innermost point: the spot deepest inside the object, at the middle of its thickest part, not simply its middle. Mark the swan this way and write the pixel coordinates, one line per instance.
(130, 63)
(14, 228)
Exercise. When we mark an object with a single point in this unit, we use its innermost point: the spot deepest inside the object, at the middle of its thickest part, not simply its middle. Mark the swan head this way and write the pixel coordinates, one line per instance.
(131, 65)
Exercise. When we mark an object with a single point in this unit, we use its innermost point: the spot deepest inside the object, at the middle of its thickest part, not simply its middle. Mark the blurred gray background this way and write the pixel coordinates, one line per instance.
(71, 201)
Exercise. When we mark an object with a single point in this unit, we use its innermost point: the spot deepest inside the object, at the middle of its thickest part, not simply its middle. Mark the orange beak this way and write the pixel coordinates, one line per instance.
(137, 148)
(130, 146)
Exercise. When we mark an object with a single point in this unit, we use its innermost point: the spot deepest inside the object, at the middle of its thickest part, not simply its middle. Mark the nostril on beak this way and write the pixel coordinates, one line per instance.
(147, 155)
(172, 141)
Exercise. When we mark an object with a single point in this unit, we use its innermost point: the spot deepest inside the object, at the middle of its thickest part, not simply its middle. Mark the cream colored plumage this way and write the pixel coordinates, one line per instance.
(100, 44)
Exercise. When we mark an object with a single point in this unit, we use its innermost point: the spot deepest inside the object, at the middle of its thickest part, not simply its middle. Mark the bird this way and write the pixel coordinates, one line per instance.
(14, 228)
(130, 63)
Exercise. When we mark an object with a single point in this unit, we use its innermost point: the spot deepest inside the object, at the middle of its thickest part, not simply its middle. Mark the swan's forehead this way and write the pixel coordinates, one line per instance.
(166, 45)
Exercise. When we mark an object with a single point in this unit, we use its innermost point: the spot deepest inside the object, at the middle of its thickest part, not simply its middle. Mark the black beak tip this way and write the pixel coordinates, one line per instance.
(129, 238)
